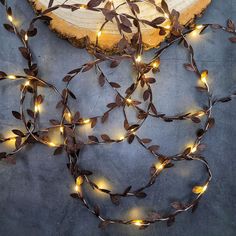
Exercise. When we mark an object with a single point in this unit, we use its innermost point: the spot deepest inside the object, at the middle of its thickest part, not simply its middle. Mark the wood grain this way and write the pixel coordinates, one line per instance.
(82, 23)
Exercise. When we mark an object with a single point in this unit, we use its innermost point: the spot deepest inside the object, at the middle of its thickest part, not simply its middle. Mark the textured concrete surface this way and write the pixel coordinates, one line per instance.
(34, 197)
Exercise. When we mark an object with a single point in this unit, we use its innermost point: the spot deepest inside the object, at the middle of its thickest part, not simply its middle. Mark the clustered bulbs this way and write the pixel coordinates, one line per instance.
(70, 119)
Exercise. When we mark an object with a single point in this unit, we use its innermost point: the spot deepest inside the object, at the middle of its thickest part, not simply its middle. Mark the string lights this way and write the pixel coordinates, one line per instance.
(11, 77)
(26, 37)
(86, 121)
(204, 75)
(36, 108)
(138, 59)
(66, 125)
(99, 33)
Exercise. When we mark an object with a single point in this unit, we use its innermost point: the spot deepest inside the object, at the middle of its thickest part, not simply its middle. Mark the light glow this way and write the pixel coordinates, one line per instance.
(37, 108)
(159, 166)
(86, 121)
(204, 75)
(11, 77)
(26, 37)
(52, 144)
(155, 64)
(138, 58)
(129, 101)
(99, 33)
(137, 222)
(10, 18)
(198, 27)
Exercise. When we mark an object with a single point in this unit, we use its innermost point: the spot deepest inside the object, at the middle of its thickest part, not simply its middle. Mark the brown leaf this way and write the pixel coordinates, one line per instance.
(153, 108)
(195, 119)
(114, 85)
(101, 79)
(18, 142)
(114, 63)
(2, 74)
(131, 138)
(24, 52)
(93, 138)
(39, 99)
(200, 132)
(58, 151)
(146, 95)
(93, 122)
(105, 116)
(8, 28)
(146, 140)
(125, 21)
(187, 151)
(153, 148)
(211, 122)
(18, 132)
(94, 3)
(105, 137)
(96, 210)
(30, 113)
(165, 7)
(158, 20)
(76, 117)
(189, 67)
(16, 114)
(140, 194)
(50, 3)
(126, 28)
(67, 78)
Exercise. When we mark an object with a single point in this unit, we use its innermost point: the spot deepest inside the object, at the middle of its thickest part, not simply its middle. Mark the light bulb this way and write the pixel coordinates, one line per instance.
(159, 166)
(11, 77)
(10, 18)
(201, 113)
(138, 58)
(79, 180)
(193, 149)
(199, 189)
(129, 101)
(86, 121)
(27, 83)
(137, 222)
(82, 6)
(155, 64)
(204, 75)
(36, 108)
(52, 144)
(99, 33)
(76, 188)
(199, 27)
(26, 37)
(167, 26)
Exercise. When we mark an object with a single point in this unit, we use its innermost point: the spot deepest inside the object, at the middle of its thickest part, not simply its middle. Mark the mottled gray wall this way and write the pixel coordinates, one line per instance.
(34, 197)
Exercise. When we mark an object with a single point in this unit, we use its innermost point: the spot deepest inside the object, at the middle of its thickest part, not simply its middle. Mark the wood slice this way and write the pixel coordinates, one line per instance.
(76, 26)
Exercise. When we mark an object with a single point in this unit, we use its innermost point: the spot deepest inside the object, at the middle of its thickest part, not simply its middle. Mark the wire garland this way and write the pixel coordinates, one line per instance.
(131, 50)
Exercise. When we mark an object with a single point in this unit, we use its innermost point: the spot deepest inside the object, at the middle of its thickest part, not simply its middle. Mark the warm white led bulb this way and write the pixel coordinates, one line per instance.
(10, 18)
(138, 58)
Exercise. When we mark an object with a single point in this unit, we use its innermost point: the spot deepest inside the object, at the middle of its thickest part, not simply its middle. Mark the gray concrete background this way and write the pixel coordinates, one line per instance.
(34, 197)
